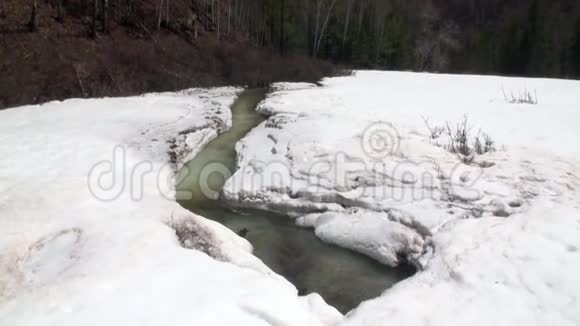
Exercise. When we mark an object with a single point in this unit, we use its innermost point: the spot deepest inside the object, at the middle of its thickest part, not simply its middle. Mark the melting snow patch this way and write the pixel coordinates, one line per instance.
(369, 233)
(50, 257)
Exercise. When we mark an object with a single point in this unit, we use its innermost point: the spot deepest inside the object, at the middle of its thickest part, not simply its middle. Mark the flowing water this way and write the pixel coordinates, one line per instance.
(343, 278)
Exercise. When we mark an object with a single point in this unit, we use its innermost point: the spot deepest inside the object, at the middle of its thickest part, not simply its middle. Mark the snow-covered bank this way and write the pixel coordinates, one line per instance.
(86, 210)
(486, 233)
(522, 270)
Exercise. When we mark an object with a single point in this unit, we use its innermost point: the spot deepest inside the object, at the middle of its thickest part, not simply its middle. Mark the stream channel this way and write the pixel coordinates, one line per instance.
(342, 277)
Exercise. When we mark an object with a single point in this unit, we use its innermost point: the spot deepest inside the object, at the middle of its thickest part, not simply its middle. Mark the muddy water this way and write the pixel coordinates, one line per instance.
(343, 278)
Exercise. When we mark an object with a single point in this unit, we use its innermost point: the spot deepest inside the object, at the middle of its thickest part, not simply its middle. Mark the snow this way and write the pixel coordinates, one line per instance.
(496, 239)
(90, 232)
(517, 271)
(87, 213)
(383, 239)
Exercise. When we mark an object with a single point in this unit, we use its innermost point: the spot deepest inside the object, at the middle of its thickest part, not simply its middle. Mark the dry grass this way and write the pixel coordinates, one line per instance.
(461, 139)
(521, 97)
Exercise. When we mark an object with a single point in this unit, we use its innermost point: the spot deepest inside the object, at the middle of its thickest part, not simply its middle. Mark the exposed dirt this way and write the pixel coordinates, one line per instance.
(61, 60)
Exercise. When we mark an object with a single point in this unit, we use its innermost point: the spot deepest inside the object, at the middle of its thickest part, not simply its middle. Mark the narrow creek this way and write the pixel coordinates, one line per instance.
(343, 278)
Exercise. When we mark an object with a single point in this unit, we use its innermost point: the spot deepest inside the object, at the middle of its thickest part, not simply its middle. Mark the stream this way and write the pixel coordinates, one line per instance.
(343, 278)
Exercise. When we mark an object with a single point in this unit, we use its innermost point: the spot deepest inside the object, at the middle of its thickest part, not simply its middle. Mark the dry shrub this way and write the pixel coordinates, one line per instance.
(522, 97)
(465, 144)
(461, 139)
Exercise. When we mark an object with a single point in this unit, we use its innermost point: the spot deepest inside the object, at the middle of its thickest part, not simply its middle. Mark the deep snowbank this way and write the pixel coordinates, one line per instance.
(484, 232)
(86, 210)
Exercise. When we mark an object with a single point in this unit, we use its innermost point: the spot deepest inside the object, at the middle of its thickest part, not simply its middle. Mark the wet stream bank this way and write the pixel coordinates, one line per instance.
(343, 278)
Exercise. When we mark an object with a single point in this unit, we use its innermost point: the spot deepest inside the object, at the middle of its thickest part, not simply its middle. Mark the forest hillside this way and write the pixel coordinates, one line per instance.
(56, 49)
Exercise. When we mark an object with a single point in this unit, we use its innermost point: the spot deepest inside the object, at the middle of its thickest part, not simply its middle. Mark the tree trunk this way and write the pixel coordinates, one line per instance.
(32, 23)
(229, 15)
(347, 19)
(307, 26)
(95, 18)
(160, 16)
(235, 16)
(60, 11)
(379, 32)
(167, 12)
(106, 16)
(324, 27)
(271, 23)
(282, 5)
(316, 24)
(218, 20)
(361, 15)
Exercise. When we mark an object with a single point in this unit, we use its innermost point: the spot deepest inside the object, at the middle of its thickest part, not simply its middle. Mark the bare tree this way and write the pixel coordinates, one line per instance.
(317, 47)
(381, 10)
(106, 16)
(229, 15)
(316, 24)
(361, 15)
(435, 41)
(160, 14)
(282, 7)
(218, 19)
(95, 18)
(60, 11)
(346, 21)
(167, 12)
(234, 15)
(307, 24)
(33, 24)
